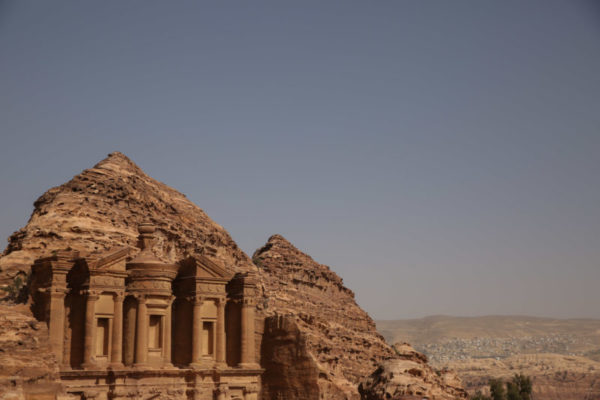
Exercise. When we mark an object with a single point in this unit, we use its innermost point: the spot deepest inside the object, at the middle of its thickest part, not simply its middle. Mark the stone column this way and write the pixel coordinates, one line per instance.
(56, 326)
(247, 334)
(89, 350)
(141, 334)
(116, 353)
(221, 331)
(167, 336)
(197, 332)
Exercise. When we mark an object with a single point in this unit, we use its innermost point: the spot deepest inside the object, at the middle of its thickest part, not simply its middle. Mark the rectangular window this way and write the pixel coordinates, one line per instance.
(155, 332)
(102, 337)
(207, 338)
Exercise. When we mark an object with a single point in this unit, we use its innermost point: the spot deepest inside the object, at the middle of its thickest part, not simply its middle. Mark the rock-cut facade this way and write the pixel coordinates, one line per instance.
(123, 327)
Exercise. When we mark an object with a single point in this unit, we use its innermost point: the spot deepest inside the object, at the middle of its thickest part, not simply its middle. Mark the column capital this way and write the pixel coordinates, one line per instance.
(221, 301)
(119, 297)
(251, 389)
(141, 298)
(223, 389)
(92, 294)
(248, 302)
(198, 299)
(57, 292)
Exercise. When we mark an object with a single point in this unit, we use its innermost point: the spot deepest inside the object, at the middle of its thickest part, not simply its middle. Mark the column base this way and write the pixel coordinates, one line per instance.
(249, 365)
(141, 365)
(221, 365)
(204, 363)
(116, 365)
(89, 365)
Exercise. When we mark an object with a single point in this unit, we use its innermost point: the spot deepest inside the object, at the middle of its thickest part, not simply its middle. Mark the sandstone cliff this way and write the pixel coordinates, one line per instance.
(101, 208)
(317, 343)
(27, 366)
(410, 375)
(342, 345)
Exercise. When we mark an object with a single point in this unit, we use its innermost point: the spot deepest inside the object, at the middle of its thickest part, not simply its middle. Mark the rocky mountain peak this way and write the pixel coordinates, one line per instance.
(316, 339)
(119, 163)
(101, 208)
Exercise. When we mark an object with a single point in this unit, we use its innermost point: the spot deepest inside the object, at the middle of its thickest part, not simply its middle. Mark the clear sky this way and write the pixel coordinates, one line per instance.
(442, 157)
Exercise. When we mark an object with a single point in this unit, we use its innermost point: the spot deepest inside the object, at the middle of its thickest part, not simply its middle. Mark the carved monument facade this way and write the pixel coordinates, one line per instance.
(141, 328)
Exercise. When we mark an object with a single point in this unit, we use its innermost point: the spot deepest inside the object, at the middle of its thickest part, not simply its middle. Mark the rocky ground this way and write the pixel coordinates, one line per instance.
(315, 341)
(559, 355)
(27, 367)
(554, 376)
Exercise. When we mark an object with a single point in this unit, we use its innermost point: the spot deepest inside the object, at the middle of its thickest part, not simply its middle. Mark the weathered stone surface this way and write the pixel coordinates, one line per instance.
(317, 342)
(554, 376)
(27, 366)
(409, 375)
(101, 208)
(328, 327)
(560, 355)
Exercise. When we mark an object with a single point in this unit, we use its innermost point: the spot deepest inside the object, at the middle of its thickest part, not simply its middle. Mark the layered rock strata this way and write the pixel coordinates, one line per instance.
(28, 369)
(101, 208)
(316, 343)
(339, 341)
(409, 376)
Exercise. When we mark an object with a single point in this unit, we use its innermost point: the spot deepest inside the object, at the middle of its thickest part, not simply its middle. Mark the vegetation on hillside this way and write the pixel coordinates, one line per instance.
(518, 388)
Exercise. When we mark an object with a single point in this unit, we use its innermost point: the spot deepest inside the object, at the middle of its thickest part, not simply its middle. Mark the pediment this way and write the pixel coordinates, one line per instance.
(202, 267)
(112, 260)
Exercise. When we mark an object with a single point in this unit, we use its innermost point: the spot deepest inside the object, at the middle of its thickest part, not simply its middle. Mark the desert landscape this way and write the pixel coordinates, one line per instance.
(560, 355)
(310, 200)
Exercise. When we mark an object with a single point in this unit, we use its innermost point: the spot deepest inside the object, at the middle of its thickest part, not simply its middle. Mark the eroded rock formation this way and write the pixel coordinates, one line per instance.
(410, 375)
(27, 366)
(322, 316)
(101, 208)
(316, 343)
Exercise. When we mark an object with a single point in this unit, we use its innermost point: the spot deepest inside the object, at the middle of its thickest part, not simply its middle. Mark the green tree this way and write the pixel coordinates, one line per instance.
(523, 385)
(512, 391)
(479, 396)
(497, 389)
(518, 388)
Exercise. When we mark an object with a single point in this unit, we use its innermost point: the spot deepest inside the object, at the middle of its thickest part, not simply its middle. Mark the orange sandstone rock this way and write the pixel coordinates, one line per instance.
(315, 342)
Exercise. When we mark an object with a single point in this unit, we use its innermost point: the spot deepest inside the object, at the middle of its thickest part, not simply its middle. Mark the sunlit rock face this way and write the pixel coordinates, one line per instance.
(101, 208)
(327, 335)
(409, 376)
(312, 339)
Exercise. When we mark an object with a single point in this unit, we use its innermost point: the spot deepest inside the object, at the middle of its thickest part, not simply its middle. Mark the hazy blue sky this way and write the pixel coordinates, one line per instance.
(442, 157)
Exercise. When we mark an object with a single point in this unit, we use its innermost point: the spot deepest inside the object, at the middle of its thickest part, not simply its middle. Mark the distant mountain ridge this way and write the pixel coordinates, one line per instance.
(561, 355)
(503, 335)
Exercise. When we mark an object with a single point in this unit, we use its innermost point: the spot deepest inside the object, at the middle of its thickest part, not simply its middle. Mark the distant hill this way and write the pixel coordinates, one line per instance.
(445, 338)
(561, 355)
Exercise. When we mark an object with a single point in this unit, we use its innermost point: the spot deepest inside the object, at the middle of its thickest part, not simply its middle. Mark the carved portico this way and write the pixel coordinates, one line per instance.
(125, 328)
(202, 283)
